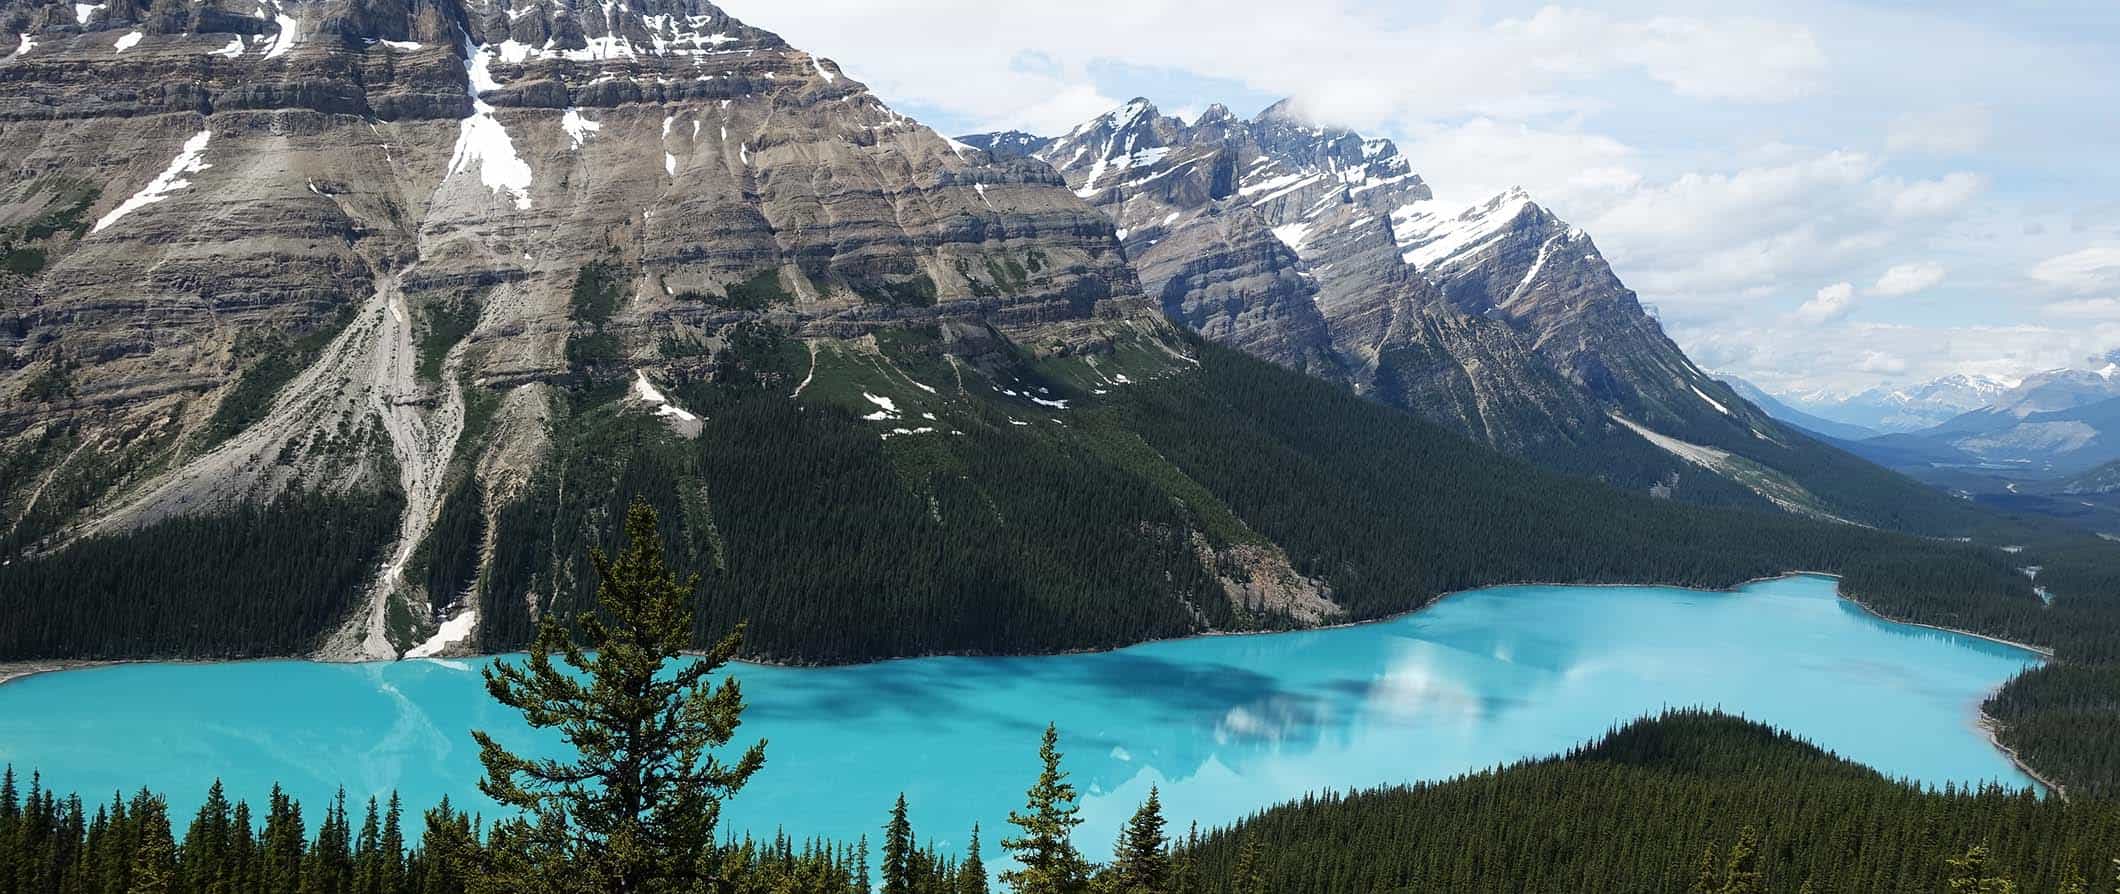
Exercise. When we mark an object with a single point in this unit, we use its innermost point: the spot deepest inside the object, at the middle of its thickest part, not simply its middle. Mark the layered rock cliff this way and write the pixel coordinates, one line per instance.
(1316, 248)
(361, 245)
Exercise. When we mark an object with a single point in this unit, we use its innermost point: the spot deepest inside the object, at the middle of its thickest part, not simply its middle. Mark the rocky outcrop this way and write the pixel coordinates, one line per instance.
(1322, 250)
(261, 246)
(1276, 236)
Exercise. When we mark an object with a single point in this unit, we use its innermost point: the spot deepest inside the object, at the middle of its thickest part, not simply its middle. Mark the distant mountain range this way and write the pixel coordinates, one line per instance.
(2055, 423)
(1903, 408)
(1778, 409)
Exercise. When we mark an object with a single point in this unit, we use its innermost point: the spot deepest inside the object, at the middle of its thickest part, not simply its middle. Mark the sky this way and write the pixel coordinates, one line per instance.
(1818, 197)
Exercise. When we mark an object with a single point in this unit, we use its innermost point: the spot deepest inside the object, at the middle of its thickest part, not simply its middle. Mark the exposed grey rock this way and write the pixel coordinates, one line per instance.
(242, 178)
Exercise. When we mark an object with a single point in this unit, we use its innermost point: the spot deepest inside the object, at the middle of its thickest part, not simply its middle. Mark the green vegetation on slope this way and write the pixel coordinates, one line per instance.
(1690, 802)
(255, 581)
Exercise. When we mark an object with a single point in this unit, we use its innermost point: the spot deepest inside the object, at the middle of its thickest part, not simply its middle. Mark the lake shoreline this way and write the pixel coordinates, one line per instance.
(1506, 674)
(20, 670)
(1992, 728)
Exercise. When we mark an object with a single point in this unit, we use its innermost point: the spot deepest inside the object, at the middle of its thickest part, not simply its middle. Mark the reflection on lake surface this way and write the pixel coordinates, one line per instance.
(1225, 725)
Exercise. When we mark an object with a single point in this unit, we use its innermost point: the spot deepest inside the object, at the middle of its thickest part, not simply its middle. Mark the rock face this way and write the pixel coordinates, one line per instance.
(253, 247)
(1320, 250)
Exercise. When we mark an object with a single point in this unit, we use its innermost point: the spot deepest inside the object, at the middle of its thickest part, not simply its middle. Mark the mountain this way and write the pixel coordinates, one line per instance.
(1900, 409)
(350, 328)
(2050, 392)
(1776, 408)
(337, 253)
(1323, 251)
(2057, 422)
(1007, 144)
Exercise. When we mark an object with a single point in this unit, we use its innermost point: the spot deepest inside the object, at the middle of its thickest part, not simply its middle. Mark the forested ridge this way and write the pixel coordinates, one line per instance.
(1687, 803)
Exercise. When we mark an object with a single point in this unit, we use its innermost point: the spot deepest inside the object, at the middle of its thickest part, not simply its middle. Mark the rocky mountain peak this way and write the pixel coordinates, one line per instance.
(1215, 113)
(306, 235)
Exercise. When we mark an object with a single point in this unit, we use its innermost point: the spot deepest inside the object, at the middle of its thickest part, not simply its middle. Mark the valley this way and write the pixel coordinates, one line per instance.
(1222, 725)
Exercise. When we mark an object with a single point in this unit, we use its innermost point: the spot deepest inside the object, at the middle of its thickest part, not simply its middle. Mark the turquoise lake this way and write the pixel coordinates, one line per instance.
(1225, 725)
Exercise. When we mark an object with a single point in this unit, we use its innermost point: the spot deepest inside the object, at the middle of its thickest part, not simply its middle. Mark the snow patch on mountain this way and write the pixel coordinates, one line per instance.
(1428, 234)
(191, 160)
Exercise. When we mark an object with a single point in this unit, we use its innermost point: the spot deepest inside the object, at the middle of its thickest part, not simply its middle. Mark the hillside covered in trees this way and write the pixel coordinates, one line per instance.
(1054, 504)
(1686, 803)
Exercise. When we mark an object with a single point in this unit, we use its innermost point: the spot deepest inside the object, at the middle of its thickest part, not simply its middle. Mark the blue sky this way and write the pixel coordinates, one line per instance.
(1816, 196)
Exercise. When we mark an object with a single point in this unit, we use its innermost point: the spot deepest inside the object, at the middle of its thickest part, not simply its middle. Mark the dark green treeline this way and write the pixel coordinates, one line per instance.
(1691, 803)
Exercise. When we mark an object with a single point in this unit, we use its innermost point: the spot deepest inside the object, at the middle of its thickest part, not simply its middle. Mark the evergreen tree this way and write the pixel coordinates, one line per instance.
(898, 851)
(1141, 858)
(1050, 863)
(1707, 875)
(1971, 874)
(203, 860)
(241, 865)
(2072, 880)
(391, 878)
(636, 811)
(1248, 877)
(368, 852)
(1741, 874)
(154, 847)
(861, 865)
(971, 875)
(1185, 865)
(281, 850)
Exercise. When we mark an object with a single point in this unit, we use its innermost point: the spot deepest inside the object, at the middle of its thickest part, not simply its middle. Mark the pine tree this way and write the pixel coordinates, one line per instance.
(203, 860)
(1707, 875)
(636, 811)
(282, 847)
(1185, 864)
(1050, 863)
(242, 874)
(971, 875)
(1141, 859)
(2072, 880)
(154, 862)
(1248, 877)
(898, 851)
(392, 877)
(1741, 873)
(368, 852)
(861, 866)
(1970, 874)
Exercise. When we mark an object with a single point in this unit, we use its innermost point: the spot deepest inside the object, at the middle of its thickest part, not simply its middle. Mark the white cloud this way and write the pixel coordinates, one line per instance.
(1356, 62)
(1907, 279)
(2089, 270)
(1930, 198)
(1742, 59)
(1473, 160)
(1857, 355)
(1881, 362)
(1831, 303)
(2085, 309)
(1957, 130)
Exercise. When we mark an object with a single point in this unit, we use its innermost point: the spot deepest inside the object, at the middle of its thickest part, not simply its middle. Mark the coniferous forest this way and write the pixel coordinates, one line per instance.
(839, 546)
(1686, 802)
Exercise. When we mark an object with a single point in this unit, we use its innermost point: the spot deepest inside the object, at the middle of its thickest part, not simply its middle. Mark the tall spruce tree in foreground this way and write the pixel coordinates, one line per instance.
(1141, 858)
(1046, 850)
(635, 811)
(898, 851)
(971, 876)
